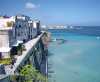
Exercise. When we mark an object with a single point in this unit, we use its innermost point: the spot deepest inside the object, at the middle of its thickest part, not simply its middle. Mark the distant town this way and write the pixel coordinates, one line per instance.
(60, 27)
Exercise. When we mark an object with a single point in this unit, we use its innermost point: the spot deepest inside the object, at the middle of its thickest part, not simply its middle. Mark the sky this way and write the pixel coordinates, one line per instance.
(72, 12)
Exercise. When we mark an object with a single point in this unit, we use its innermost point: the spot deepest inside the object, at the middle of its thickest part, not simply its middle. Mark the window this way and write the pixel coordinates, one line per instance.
(18, 34)
(19, 25)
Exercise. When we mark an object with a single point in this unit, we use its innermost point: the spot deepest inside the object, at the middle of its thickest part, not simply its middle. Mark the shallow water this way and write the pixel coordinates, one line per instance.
(76, 60)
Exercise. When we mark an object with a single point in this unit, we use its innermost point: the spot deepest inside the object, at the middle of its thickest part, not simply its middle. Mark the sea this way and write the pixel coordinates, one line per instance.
(74, 55)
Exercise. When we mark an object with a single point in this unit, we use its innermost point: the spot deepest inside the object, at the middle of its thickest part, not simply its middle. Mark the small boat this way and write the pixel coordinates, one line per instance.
(59, 41)
(53, 40)
(62, 41)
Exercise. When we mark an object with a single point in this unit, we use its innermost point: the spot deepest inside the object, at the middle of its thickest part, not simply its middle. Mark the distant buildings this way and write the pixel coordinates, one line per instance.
(45, 27)
(67, 27)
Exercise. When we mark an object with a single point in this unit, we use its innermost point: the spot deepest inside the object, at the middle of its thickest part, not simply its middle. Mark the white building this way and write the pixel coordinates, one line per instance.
(6, 36)
(36, 24)
(21, 27)
(14, 29)
(32, 30)
(26, 28)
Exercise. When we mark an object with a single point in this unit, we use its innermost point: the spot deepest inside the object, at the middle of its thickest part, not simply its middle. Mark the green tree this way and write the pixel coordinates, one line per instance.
(31, 74)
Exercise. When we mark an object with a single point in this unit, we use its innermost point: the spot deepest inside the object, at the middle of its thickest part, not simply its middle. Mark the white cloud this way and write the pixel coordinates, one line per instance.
(30, 5)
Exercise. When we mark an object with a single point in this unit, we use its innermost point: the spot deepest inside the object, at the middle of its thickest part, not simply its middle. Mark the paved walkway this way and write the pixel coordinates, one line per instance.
(29, 45)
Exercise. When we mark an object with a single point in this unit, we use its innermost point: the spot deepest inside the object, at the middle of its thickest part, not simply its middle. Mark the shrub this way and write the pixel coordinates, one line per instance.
(32, 74)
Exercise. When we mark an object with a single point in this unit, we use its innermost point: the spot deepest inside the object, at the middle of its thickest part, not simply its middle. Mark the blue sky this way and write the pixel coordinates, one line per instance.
(75, 12)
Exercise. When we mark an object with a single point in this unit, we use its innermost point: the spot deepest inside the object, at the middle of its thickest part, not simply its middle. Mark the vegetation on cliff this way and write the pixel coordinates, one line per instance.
(31, 74)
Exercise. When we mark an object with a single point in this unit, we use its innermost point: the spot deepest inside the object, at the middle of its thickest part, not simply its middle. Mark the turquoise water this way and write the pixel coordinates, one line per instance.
(77, 60)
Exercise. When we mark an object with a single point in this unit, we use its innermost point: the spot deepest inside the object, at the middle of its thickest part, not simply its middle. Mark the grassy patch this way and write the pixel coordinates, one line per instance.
(5, 61)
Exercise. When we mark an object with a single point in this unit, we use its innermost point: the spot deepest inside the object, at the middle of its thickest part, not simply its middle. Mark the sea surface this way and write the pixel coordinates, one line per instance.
(77, 59)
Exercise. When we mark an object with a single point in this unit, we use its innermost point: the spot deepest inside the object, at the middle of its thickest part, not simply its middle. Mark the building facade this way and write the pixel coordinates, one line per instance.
(14, 29)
